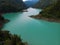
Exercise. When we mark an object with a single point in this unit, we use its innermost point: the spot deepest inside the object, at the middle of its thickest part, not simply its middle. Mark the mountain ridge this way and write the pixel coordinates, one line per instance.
(11, 5)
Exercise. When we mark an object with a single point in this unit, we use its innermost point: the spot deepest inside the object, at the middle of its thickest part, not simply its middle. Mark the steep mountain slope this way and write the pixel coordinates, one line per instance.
(11, 5)
(50, 13)
(44, 3)
(53, 10)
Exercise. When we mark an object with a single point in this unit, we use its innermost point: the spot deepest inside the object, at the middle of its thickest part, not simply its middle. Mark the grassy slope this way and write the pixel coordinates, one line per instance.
(52, 11)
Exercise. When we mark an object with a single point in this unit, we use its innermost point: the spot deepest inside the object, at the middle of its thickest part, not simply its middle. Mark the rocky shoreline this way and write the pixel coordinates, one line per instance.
(40, 17)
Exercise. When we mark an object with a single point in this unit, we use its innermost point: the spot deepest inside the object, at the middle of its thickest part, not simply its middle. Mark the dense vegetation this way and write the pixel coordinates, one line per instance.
(2, 21)
(11, 6)
(52, 11)
(8, 39)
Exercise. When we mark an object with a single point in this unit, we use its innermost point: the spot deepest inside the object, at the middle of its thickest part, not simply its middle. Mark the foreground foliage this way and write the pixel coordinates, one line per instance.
(7, 38)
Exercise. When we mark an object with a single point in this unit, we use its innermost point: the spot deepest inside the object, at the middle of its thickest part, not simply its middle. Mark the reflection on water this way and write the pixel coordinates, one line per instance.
(35, 32)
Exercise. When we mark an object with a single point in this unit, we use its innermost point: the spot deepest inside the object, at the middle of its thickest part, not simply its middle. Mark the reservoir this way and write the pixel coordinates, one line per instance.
(33, 31)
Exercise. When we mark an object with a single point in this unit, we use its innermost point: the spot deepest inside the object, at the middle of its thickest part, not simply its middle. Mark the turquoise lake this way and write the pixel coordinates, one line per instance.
(33, 31)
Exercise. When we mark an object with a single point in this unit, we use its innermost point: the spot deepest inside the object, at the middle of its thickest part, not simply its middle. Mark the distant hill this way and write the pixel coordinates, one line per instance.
(30, 3)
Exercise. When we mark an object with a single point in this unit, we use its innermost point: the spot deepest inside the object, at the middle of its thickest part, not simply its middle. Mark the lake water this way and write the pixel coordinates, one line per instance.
(33, 31)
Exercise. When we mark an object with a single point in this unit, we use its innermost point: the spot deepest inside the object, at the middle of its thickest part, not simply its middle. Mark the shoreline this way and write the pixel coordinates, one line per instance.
(40, 17)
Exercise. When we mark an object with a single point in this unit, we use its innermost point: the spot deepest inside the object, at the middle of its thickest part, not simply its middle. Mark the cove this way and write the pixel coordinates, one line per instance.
(35, 32)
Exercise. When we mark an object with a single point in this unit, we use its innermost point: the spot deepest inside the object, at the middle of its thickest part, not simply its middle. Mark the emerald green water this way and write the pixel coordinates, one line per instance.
(35, 32)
